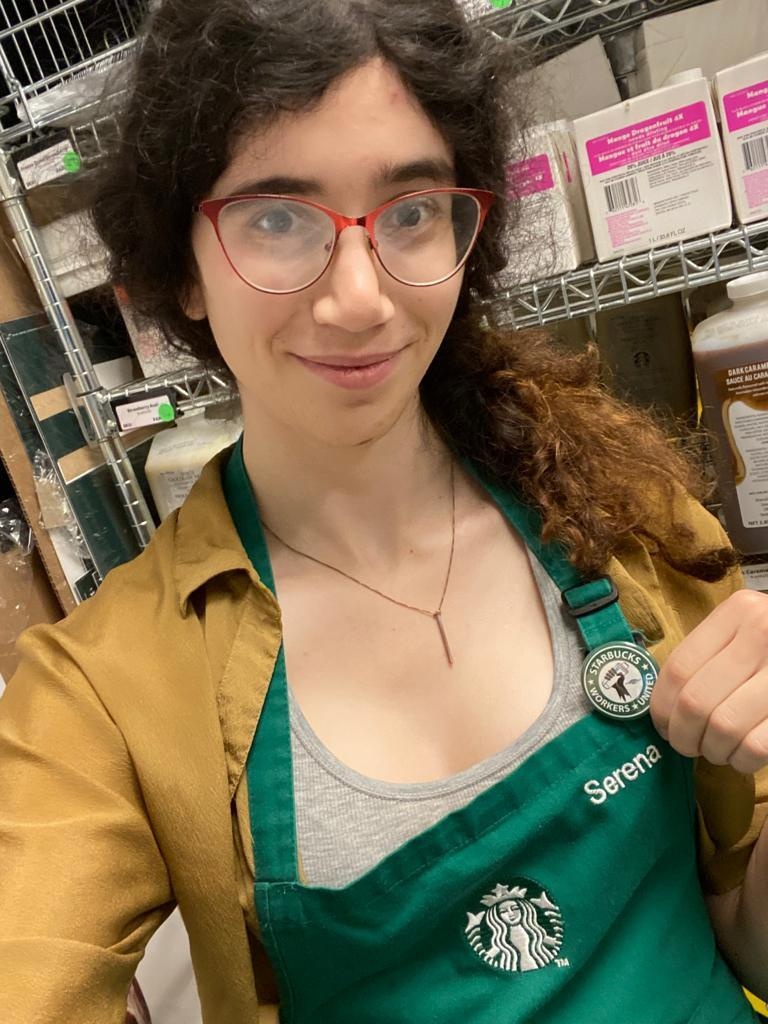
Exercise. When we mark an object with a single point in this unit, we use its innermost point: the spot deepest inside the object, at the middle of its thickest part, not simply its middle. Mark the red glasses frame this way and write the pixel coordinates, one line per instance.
(211, 208)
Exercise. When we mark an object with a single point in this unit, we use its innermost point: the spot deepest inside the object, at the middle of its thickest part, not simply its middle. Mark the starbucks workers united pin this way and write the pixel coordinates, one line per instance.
(618, 679)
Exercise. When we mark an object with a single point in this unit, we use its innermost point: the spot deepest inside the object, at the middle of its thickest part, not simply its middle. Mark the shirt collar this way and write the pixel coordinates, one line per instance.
(207, 543)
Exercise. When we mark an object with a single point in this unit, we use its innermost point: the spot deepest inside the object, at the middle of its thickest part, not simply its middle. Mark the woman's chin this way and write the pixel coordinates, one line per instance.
(367, 430)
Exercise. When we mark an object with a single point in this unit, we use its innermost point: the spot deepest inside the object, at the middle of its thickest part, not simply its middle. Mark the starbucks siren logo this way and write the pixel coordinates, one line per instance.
(521, 930)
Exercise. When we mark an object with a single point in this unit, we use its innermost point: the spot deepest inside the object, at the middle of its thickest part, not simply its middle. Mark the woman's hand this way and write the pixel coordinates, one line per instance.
(711, 698)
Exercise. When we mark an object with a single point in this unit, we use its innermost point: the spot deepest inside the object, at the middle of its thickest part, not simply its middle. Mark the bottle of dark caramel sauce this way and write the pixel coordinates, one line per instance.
(730, 351)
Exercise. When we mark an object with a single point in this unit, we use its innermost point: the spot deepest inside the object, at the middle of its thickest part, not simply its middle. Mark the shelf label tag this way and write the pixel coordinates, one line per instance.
(756, 576)
(145, 411)
(48, 165)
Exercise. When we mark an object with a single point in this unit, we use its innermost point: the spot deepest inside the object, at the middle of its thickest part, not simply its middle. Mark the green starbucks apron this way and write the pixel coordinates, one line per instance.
(567, 892)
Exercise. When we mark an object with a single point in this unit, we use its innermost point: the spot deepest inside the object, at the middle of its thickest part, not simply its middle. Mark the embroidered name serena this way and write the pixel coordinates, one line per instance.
(598, 792)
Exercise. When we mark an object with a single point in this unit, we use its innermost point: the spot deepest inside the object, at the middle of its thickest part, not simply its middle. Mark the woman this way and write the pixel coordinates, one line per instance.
(334, 789)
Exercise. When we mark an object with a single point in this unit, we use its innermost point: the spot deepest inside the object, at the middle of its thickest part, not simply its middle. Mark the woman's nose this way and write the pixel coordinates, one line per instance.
(349, 292)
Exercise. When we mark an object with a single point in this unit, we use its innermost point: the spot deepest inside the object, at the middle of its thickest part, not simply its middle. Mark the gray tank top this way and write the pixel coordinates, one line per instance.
(346, 822)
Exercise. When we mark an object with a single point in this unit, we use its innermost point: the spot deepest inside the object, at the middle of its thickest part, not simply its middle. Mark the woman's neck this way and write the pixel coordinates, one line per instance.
(365, 505)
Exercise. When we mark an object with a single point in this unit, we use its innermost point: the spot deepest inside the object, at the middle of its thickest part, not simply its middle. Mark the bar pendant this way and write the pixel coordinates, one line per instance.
(438, 619)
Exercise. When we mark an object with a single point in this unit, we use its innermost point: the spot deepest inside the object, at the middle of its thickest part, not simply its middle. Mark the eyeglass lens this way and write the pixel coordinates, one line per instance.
(283, 244)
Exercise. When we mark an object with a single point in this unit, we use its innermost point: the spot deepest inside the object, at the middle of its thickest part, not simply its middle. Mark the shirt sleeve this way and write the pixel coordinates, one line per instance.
(732, 811)
(732, 808)
(82, 882)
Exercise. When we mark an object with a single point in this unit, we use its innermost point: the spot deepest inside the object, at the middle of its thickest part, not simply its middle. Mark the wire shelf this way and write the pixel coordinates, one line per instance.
(54, 63)
(600, 286)
(191, 389)
(547, 26)
(61, 58)
(90, 140)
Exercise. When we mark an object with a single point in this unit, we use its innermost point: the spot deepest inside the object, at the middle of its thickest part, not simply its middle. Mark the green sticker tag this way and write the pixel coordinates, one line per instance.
(501, 3)
(71, 162)
(166, 413)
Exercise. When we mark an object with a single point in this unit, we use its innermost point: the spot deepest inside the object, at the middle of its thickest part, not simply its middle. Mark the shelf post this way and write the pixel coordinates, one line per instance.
(13, 200)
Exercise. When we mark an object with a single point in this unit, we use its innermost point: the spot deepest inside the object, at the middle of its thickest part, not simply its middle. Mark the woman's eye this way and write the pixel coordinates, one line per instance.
(276, 221)
(411, 215)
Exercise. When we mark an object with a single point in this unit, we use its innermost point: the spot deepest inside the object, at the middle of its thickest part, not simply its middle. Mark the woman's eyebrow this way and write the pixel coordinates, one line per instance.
(433, 169)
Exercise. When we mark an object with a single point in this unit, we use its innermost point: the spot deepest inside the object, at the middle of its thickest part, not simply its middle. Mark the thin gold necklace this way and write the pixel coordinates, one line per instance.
(436, 615)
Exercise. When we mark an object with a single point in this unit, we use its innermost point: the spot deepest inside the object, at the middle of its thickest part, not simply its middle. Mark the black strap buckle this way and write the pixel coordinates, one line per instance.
(593, 606)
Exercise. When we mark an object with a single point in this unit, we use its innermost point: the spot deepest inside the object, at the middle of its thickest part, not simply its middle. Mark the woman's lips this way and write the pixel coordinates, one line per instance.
(354, 377)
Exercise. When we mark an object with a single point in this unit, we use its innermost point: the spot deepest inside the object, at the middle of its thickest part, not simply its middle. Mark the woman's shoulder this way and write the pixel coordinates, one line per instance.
(147, 600)
(130, 592)
(671, 600)
(138, 611)
(129, 621)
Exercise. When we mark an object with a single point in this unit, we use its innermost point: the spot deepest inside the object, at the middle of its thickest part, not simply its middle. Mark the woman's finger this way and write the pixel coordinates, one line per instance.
(710, 687)
(752, 753)
(735, 718)
(745, 613)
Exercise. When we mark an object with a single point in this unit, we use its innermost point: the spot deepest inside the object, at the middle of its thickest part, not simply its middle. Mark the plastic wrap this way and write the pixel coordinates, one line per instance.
(54, 507)
(62, 104)
(16, 577)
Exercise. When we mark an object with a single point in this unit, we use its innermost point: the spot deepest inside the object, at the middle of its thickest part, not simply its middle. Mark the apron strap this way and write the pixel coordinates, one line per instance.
(594, 604)
(595, 607)
(269, 767)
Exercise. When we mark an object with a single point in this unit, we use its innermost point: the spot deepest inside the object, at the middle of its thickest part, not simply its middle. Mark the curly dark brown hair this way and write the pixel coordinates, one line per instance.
(532, 417)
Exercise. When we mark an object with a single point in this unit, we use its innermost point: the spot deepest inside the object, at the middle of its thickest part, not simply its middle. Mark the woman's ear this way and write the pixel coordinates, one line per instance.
(193, 303)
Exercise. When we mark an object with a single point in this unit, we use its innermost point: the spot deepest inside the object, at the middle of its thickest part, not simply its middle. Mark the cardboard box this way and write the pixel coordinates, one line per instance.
(553, 234)
(709, 36)
(573, 84)
(17, 293)
(653, 169)
(742, 93)
(74, 254)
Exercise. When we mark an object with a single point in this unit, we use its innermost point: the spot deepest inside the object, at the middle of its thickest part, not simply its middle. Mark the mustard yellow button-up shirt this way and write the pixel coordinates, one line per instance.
(123, 739)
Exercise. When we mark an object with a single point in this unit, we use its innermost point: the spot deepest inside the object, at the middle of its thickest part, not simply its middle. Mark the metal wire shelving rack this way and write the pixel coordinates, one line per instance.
(54, 60)
(45, 61)
(545, 28)
(189, 390)
(601, 286)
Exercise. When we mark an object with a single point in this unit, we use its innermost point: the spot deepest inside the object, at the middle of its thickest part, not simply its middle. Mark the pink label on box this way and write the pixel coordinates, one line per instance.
(756, 188)
(627, 227)
(526, 177)
(661, 134)
(746, 107)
